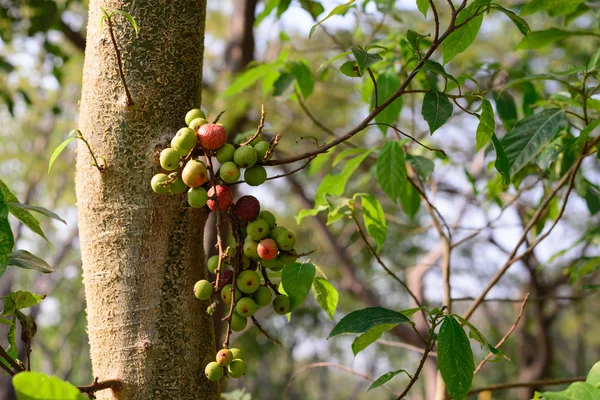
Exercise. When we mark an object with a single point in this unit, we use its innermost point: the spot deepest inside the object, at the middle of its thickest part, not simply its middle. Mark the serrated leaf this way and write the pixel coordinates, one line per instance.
(436, 110)
(387, 84)
(364, 59)
(326, 295)
(455, 358)
(459, 40)
(486, 126)
(369, 337)
(38, 386)
(59, 149)
(423, 166)
(305, 78)
(374, 218)
(360, 321)
(391, 170)
(26, 260)
(129, 18)
(530, 135)
(423, 6)
(341, 9)
(297, 279)
(350, 69)
(383, 379)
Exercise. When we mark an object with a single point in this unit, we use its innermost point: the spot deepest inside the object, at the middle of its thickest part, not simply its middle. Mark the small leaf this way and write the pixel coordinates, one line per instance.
(412, 311)
(365, 59)
(247, 79)
(374, 218)
(486, 126)
(423, 166)
(350, 68)
(282, 84)
(423, 6)
(360, 321)
(437, 68)
(370, 337)
(436, 110)
(60, 148)
(129, 18)
(26, 260)
(344, 54)
(314, 8)
(38, 386)
(518, 21)
(341, 9)
(297, 279)
(383, 379)
(326, 296)
(347, 153)
(502, 163)
(7, 241)
(459, 40)
(22, 299)
(507, 109)
(455, 358)
(391, 169)
(410, 199)
(387, 84)
(305, 78)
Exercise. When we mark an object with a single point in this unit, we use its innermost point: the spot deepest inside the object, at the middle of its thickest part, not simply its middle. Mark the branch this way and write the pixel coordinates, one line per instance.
(17, 367)
(74, 37)
(510, 331)
(97, 385)
(409, 136)
(262, 330)
(407, 346)
(119, 62)
(543, 382)
(261, 125)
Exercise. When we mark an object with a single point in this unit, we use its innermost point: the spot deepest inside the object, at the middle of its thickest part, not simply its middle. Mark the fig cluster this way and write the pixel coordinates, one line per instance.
(228, 362)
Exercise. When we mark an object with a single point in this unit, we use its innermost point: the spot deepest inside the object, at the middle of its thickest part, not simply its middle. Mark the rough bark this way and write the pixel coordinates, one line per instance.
(142, 252)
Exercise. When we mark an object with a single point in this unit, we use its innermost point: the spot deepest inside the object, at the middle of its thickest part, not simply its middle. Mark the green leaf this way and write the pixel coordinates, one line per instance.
(575, 391)
(518, 21)
(437, 68)
(423, 166)
(282, 83)
(538, 39)
(436, 110)
(297, 279)
(587, 131)
(344, 54)
(486, 126)
(459, 40)
(26, 260)
(309, 213)
(326, 295)
(593, 377)
(305, 78)
(60, 148)
(38, 386)
(410, 199)
(594, 61)
(351, 152)
(129, 18)
(391, 169)
(314, 8)
(412, 311)
(7, 241)
(365, 59)
(40, 210)
(360, 321)
(414, 38)
(269, 7)
(455, 358)
(350, 68)
(507, 109)
(555, 7)
(474, 333)
(530, 135)
(341, 9)
(387, 84)
(369, 337)
(423, 6)
(502, 163)
(383, 379)
(247, 79)
(27, 219)
(22, 300)
(374, 218)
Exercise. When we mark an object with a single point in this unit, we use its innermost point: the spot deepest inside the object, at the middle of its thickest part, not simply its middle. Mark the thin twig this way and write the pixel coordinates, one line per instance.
(259, 129)
(97, 385)
(119, 62)
(376, 92)
(293, 171)
(268, 282)
(408, 136)
(510, 331)
(543, 382)
(264, 332)
(406, 346)
(16, 366)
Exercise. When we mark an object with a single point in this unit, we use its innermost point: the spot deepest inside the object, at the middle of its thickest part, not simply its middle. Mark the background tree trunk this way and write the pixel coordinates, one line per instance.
(142, 253)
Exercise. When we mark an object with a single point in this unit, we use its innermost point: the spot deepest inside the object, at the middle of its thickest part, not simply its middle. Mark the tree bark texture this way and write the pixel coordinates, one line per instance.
(142, 252)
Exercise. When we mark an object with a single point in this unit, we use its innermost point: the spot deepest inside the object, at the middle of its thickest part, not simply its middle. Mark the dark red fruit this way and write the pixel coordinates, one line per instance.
(224, 196)
(225, 279)
(212, 136)
(247, 208)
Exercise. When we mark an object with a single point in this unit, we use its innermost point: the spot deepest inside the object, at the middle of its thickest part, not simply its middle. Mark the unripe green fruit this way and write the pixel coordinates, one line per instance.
(287, 258)
(226, 294)
(197, 197)
(285, 240)
(159, 185)
(203, 289)
(245, 262)
(262, 297)
(281, 304)
(212, 264)
(278, 230)
(256, 175)
(273, 264)
(267, 249)
(169, 159)
(224, 357)
(177, 186)
(194, 173)
(237, 368)
(197, 123)
(269, 217)
(184, 140)
(262, 148)
(245, 156)
(193, 114)
(213, 371)
(229, 172)
(251, 248)
(246, 307)
(258, 229)
(248, 281)
(225, 153)
(237, 354)
(238, 323)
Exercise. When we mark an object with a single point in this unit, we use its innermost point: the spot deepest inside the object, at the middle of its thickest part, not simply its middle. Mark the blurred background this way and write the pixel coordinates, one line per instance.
(41, 58)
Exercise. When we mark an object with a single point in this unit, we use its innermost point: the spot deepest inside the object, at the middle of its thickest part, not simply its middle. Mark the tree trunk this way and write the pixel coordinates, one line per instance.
(142, 252)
